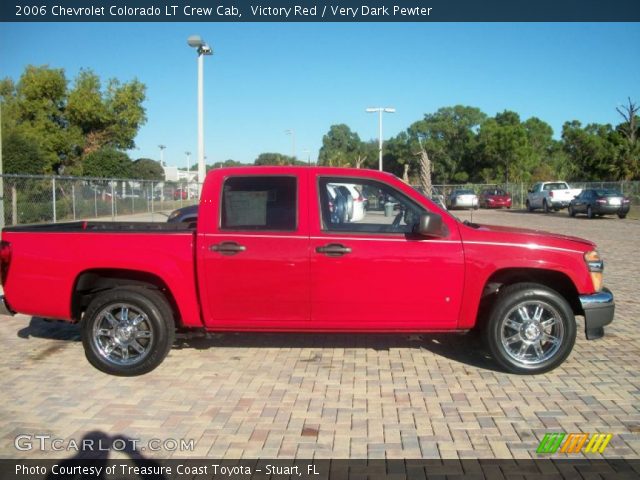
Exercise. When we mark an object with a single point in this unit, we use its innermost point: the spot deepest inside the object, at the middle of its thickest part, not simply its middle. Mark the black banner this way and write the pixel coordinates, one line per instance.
(319, 11)
(111, 469)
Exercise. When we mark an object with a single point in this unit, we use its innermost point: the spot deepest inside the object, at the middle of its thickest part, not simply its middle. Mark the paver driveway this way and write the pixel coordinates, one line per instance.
(335, 396)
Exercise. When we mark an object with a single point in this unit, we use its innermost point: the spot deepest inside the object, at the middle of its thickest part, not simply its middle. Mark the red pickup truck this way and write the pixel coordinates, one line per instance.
(271, 252)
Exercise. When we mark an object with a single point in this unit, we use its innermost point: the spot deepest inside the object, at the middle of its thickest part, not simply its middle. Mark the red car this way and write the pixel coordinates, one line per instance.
(266, 254)
(495, 198)
(180, 193)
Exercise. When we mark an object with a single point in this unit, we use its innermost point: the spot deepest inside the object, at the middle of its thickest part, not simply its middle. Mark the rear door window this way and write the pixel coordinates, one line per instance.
(259, 203)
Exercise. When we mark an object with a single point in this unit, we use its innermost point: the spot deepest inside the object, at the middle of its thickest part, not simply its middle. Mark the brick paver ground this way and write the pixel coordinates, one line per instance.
(336, 396)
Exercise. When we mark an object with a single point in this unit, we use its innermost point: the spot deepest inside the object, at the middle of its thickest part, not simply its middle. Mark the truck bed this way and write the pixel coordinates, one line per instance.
(120, 227)
(48, 260)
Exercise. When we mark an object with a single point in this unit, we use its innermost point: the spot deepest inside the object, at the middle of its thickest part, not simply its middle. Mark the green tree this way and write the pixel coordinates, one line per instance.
(68, 124)
(629, 147)
(226, 163)
(276, 159)
(592, 150)
(400, 156)
(107, 163)
(449, 139)
(146, 169)
(503, 147)
(36, 106)
(109, 118)
(341, 147)
(21, 156)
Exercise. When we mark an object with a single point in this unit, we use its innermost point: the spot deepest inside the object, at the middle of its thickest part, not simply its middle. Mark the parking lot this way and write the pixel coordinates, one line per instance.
(334, 396)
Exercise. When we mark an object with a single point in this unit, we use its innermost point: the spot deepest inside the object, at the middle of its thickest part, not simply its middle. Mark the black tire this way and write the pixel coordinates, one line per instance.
(507, 330)
(529, 207)
(545, 206)
(571, 211)
(622, 215)
(590, 212)
(115, 344)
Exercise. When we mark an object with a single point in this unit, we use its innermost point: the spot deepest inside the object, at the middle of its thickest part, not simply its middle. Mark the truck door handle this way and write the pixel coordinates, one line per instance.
(227, 248)
(333, 250)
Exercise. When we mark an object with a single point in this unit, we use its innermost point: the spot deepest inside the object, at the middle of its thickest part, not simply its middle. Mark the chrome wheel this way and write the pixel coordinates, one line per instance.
(122, 334)
(532, 332)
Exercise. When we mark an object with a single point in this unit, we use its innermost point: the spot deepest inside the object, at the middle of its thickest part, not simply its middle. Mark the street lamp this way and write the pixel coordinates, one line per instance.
(203, 49)
(188, 154)
(380, 110)
(162, 147)
(293, 141)
(308, 152)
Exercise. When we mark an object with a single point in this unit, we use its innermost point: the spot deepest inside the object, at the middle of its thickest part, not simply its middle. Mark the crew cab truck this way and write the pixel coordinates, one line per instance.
(550, 196)
(266, 254)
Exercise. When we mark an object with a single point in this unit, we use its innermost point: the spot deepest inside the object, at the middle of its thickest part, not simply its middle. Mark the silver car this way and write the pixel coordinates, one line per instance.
(462, 198)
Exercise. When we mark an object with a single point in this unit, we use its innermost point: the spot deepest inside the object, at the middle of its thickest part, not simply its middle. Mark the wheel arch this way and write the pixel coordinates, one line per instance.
(91, 282)
(553, 279)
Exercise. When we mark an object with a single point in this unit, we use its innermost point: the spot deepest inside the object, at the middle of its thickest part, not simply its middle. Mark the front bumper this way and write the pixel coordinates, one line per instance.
(598, 311)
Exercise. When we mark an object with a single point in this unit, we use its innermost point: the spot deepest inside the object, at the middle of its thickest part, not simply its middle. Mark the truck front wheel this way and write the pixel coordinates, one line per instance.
(531, 329)
(128, 331)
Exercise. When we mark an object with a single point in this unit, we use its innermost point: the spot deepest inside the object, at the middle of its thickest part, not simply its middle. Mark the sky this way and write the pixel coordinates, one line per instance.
(267, 78)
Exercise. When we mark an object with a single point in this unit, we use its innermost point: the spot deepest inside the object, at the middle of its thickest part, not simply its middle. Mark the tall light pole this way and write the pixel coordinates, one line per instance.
(380, 110)
(308, 152)
(203, 49)
(292, 132)
(162, 147)
(188, 154)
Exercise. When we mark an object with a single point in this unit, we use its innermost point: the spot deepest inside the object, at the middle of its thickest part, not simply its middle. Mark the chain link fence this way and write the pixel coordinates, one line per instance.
(519, 191)
(49, 199)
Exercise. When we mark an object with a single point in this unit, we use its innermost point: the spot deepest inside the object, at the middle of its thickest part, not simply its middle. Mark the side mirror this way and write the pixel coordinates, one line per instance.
(429, 225)
(530, 190)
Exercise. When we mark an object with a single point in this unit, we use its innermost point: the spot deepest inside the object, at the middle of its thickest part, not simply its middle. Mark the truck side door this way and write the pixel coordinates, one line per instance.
(369, 271)
(254, 254)
(536, 195)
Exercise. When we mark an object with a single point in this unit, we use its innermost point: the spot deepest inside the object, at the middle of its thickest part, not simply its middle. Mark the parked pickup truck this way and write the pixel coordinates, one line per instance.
(266, 254)
(551, 196)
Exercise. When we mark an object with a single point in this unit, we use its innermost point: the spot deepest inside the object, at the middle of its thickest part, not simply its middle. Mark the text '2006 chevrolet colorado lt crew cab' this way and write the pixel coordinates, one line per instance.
(279, 249)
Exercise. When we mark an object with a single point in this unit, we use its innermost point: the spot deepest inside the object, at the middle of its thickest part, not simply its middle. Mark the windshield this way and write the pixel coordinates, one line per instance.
(605, 192)
(556, 186)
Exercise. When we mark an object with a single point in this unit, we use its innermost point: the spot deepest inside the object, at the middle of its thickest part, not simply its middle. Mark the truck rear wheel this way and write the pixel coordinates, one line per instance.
(127, 331)
(531, 329)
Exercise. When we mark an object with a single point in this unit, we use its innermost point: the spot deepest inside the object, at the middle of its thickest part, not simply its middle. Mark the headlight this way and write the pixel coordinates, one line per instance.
(595, 266)
(173, 215)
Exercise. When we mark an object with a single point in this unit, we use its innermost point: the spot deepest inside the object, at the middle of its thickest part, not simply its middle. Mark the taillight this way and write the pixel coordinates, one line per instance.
(601, 201)
(551, 193)
(626, 200)
(5, 259)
